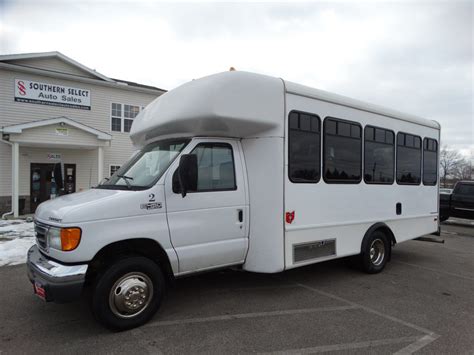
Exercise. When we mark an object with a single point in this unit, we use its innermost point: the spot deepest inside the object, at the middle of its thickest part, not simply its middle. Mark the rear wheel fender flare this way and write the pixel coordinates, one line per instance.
(377, 226)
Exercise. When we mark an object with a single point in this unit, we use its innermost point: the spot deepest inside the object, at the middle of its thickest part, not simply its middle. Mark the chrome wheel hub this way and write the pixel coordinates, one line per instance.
(131, 295)
(377, 252)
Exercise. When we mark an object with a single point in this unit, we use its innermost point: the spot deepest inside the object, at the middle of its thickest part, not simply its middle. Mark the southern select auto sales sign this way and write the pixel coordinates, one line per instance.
(51, 94)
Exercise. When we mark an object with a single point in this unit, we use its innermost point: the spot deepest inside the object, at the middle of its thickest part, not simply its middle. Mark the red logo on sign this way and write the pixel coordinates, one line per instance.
(290, 216)
(22, 88)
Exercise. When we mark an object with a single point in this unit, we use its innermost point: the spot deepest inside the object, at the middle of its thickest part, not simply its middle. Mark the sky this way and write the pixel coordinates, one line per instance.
(413, 56)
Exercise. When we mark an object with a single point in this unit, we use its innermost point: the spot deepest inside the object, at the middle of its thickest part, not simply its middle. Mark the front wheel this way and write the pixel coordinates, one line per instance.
(128, 293)
(376, 252)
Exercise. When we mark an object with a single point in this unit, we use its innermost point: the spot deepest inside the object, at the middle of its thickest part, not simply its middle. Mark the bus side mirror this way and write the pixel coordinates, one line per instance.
(187, 173)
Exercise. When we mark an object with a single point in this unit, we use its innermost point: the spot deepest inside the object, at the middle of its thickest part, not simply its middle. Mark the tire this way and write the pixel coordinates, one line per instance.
(375, 253)
(138, 278)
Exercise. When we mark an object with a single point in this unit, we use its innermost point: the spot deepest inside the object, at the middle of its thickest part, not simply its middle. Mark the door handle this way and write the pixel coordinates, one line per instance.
(240, 214)
(399, 208)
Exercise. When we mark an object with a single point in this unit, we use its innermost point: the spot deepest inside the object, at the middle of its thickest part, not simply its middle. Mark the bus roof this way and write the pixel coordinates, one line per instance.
(301, 90)
(235, 104)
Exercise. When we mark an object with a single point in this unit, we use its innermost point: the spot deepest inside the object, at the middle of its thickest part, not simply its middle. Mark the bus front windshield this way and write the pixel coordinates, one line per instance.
(146, 166)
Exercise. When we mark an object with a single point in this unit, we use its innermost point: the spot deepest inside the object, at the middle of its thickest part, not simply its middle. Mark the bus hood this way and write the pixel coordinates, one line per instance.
(97, 204)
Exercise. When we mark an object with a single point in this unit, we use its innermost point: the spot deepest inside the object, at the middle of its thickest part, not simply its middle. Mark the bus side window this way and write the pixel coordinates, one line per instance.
(408, 159)
(342, 151)
(304, 142)
(379, 155)
(430, 161)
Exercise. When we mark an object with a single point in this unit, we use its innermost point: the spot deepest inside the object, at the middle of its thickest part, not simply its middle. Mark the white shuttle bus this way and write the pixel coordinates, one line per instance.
(243, 170)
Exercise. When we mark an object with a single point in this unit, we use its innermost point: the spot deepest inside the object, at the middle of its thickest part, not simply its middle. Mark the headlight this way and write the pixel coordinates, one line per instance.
(54, 238)
(65, 239)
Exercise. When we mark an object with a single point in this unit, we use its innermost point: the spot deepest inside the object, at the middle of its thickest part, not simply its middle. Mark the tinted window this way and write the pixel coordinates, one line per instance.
(408, 159)
(342, 151)
(465, 189)
(304, 142)
(355, 131)
(379, 157)
(430, 161)
(215, 167)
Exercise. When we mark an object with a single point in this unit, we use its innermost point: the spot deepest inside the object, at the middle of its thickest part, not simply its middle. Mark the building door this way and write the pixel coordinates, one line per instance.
(41, 175)
(69, 178)
(41, 182)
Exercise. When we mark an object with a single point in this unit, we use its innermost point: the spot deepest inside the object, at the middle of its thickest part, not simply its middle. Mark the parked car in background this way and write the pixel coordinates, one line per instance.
(459, 203)
(446, 191)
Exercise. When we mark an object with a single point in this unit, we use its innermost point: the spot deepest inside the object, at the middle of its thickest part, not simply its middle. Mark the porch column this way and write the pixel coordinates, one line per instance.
(100, 161)
(15, 178)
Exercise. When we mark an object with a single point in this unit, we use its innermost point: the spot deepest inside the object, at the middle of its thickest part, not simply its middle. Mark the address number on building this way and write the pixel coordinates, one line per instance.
(51, 94)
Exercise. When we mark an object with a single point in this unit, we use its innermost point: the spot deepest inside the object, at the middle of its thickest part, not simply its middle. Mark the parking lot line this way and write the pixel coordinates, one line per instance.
(370, 310)
(248, 315)
(417, 345)
(435, 270)
(346, 346)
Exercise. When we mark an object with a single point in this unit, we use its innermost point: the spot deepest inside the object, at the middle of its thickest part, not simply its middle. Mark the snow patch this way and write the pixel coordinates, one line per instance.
(16, 237)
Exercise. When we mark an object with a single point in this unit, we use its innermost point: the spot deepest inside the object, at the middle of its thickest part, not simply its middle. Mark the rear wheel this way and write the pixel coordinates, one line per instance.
(375, 253)
(128, 293)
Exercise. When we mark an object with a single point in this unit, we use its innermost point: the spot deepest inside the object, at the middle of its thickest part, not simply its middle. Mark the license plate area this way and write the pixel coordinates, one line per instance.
(39, 291)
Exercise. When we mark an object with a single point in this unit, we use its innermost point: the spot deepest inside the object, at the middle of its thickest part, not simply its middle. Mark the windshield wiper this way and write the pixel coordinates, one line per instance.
(126, 178)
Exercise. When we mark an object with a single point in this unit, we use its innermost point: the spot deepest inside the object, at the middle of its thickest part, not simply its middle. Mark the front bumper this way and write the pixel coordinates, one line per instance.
(61, 283)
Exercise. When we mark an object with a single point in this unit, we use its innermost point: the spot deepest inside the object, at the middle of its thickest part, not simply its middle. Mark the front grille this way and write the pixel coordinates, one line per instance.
(314, 250)
(41, 230)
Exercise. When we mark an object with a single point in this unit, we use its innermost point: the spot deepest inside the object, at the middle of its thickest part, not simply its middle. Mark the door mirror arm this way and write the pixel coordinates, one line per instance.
(187, 173)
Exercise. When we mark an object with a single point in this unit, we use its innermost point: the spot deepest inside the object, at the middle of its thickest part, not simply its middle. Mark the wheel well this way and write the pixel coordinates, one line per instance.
(378, 227)
(117, 250)
(388, 232)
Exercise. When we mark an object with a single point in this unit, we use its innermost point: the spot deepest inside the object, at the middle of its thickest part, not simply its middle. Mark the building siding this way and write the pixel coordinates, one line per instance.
(99, 117)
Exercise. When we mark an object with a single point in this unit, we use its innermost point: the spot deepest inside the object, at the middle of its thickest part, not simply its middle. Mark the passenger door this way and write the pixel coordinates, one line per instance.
(209, 226)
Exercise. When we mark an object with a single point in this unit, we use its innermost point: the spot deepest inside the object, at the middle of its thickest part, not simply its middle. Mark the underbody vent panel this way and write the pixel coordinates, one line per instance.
(314, 250)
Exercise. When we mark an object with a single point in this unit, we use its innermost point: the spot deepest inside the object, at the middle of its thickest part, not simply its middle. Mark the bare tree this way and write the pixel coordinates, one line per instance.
(451, 163)
(463, 170)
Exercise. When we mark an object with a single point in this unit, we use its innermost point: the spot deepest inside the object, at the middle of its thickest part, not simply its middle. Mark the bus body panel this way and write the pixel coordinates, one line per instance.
(343, 212)
(264, 161)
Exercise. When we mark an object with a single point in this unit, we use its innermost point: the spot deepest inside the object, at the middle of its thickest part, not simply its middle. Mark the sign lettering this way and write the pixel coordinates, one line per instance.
(51, 94)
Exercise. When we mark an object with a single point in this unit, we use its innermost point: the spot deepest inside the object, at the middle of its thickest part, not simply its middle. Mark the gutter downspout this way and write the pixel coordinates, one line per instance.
(11, 211)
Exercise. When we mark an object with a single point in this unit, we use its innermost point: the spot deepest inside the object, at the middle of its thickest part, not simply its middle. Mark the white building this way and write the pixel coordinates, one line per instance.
(55, 113)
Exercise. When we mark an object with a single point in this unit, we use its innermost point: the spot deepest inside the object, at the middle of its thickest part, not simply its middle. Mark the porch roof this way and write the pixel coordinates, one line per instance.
(18, 129)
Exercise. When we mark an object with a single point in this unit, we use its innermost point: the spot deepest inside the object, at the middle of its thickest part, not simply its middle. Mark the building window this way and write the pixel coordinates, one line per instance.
(430, 161)
(379, 155)
(215, 167)
(342, 151)
(116, 117)
(304, 147)
(130, 112)
(113, 169)
(122, 119)
(408, 159)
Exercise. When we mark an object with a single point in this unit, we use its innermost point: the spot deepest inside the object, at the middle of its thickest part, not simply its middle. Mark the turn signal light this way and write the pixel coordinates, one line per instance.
(70, 238)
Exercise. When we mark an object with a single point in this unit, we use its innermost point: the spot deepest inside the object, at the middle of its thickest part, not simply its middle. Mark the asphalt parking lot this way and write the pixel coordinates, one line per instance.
(422, 302)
